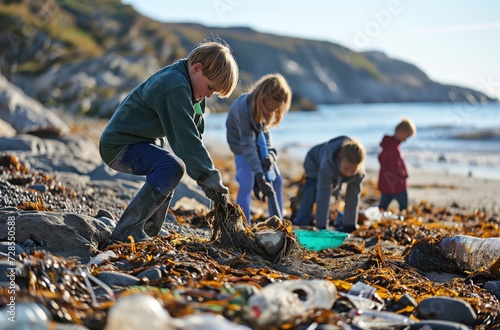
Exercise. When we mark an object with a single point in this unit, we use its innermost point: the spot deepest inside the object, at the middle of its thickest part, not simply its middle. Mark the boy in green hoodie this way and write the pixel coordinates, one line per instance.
(168, 106)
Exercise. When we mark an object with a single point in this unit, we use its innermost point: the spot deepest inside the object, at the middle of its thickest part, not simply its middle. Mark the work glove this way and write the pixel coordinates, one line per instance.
(270, 159)
(213, 188)
(262, 187)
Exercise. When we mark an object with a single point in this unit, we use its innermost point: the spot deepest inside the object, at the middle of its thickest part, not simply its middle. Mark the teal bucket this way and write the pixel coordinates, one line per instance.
(320, 240)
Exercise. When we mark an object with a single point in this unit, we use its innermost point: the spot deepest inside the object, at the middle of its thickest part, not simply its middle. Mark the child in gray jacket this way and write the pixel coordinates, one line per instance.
(250, 118)
(327, 166)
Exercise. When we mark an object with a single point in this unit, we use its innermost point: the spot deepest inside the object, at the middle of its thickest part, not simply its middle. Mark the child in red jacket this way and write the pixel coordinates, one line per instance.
(393, 174)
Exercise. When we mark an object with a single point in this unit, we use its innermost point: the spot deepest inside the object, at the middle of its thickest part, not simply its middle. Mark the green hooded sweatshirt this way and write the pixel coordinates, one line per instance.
(161, 107)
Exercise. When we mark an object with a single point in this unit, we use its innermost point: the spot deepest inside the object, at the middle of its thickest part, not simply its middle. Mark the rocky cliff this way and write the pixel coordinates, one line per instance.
(84, 57)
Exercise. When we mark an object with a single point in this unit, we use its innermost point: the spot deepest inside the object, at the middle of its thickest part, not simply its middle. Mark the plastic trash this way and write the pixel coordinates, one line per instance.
(456, 253)
(373, 214)
(388, 215)
(138, 311)
(207, 321)
(472, 253)
(102, 257)
(368, 319)
(360, 295)
(279, 302)
(361, 289)
(25, 316)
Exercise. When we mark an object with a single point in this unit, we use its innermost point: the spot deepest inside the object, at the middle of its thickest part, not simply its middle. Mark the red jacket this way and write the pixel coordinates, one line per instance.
(392, 175)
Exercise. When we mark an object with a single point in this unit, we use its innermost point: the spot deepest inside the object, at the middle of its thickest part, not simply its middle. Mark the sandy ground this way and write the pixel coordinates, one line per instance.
(444, 189)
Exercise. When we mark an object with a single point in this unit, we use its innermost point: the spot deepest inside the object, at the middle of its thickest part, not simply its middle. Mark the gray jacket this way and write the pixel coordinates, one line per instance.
(321, 164)
(242, 130)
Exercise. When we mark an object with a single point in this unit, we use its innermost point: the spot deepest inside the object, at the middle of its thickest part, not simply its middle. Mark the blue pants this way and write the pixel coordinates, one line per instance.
(308, 198)
(163, 170)
(401, 198)
(246, 180)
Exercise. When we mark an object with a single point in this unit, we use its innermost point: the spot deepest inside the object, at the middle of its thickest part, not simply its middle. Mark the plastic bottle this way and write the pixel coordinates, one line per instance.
(138, 311)
(368, 319)
(471, 253)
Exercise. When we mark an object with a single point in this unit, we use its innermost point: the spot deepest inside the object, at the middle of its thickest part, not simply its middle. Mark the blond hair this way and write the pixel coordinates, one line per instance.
(218, 65)
(353, 151)
(406, 125)
(271, 87)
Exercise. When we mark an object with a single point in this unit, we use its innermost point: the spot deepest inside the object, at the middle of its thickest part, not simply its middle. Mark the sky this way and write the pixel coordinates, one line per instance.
(453, 42)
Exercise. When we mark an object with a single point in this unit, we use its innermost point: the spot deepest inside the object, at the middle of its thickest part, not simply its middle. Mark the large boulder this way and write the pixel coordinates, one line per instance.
(6, 129)
(64, 234)
(71, 153)
(25, 114)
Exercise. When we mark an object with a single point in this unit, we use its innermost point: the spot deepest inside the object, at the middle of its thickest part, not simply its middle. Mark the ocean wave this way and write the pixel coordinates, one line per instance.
(485, 134)
(453, 158)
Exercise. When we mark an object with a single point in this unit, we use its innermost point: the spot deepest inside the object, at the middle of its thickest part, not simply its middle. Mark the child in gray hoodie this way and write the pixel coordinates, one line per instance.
(327, 166)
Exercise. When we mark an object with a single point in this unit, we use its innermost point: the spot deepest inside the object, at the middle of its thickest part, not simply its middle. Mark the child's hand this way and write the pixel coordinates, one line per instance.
(263, 187)
(213, 187)
(270, 159)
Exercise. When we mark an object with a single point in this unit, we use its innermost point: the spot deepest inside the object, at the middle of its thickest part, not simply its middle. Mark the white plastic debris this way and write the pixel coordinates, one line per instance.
(138, 311)
(368, 319)
(207, 321)
(280, 302)
(101, 258)
(25, 316)
(373, 214)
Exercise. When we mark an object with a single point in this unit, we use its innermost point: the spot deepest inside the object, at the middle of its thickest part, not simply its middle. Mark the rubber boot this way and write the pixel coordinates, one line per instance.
(141, 208)
(155, 222)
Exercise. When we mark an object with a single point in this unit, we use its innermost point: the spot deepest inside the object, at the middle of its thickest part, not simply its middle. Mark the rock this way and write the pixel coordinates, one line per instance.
(493, 287)
(186, 203)
(102, 258)
(5, 247)
(271, 240)
(153, 273)
(119, 279)
(446, 309)
(441, 277)
(65, 234)
(104, 213)
(438, 325)
(6, 130)
(75, 154)
(407, 300)
(188, 188)
(39, 187)
(108, 222)
(105, 173)
(25, 114)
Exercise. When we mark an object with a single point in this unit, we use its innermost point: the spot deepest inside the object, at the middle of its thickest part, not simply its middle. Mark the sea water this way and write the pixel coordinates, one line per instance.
(457, 138)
